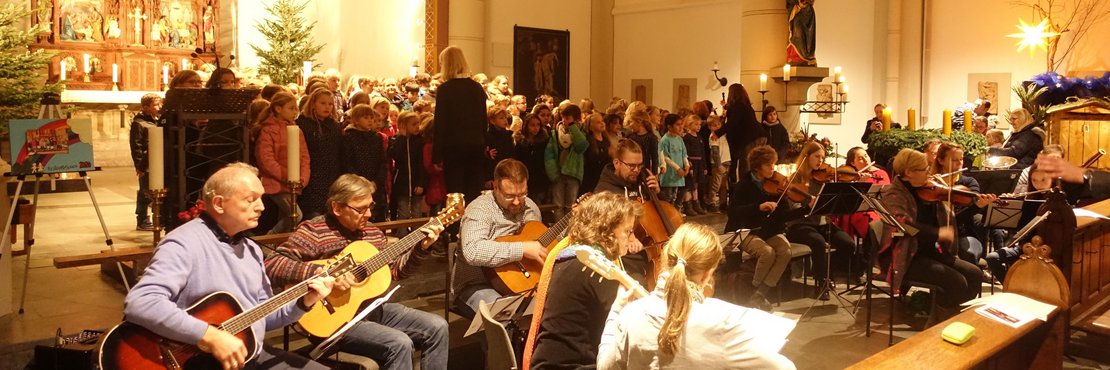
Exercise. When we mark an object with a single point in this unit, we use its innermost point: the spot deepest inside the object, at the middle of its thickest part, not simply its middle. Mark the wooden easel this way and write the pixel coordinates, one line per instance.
(49, 109)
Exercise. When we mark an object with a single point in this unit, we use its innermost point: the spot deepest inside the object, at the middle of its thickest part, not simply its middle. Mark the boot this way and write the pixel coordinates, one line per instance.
(691, 209)
(698, 207)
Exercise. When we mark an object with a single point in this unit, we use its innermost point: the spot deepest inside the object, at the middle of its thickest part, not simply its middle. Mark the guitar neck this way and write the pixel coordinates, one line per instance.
(629, 283)
(247, 318)
(554, 231)
(391, 253)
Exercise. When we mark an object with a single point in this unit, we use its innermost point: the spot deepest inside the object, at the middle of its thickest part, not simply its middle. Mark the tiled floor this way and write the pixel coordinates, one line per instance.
(84, 298)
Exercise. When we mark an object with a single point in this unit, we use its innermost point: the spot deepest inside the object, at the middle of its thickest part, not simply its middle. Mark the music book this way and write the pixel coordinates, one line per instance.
(326, 345)
(1011, 309)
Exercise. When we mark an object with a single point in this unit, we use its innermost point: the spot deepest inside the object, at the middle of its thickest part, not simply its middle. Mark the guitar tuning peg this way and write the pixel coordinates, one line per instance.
(583, 268)
(600, 279)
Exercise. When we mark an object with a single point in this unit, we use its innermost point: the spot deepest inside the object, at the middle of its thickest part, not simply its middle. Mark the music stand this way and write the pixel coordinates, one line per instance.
(884, 215)
(1008, 215)
(995, 181)
(835, 199)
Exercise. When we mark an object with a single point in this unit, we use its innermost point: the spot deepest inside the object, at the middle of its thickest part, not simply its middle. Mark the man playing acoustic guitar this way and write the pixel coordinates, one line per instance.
(391, 333)
(207, 255)
(499, 213)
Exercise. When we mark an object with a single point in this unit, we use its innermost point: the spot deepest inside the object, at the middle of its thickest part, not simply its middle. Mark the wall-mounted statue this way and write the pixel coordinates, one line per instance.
(801, 46)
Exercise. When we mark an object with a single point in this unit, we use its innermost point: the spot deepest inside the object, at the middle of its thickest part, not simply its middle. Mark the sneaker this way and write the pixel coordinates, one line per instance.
(145, 226)
(759, 301)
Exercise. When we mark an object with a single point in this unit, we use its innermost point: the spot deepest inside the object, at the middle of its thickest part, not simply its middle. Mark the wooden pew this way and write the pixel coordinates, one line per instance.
(1035, 345)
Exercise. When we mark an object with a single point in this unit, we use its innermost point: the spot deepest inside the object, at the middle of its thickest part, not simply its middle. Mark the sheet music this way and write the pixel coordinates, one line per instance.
(334, 338)
(772, 329)
(1022, 305)
(1083, 212)
(502, 309)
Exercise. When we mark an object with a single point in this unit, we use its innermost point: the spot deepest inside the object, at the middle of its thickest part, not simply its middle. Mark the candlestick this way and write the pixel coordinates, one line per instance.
(293, 152)
(156, 196)
(762, 82)
(86, 65)
(115, 73)
(156, 159)
(911, 119)
(836, 73)
(844, 92)
(294, 189)
(786, 72)
(886, 119)
(947, 128)
(968, 120)
(184, 64)
(166, 77)
(62, 77)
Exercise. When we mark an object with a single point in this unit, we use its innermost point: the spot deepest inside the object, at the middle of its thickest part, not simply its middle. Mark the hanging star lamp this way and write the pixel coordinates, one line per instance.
(1033, 37)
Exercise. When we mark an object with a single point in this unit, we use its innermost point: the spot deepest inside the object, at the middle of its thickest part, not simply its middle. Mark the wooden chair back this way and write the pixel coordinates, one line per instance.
(1027, 276)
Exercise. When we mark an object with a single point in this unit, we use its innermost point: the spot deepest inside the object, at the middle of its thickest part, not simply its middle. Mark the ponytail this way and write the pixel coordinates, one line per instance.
(677, 293)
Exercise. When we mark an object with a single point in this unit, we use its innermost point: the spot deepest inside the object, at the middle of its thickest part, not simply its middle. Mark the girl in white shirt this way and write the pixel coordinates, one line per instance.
(677, 327)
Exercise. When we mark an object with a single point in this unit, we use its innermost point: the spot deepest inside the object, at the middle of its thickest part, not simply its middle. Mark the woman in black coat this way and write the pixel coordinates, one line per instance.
(460, 130)
(742, 129)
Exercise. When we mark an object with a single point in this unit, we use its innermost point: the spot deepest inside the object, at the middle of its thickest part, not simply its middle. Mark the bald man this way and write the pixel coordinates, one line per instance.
(210, 254)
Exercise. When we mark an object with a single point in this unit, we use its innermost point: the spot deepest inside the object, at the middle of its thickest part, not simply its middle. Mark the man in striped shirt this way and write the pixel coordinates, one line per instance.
(495, 214)
(393, 332)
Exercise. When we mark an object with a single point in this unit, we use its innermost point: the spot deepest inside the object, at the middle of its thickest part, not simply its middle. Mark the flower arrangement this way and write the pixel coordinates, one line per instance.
(798, 139)
(192, 212)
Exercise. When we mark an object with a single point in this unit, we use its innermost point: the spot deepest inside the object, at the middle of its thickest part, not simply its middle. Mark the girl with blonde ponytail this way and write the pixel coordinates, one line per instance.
(677, 327)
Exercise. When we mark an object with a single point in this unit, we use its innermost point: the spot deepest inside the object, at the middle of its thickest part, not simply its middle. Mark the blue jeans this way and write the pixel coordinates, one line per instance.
(564, 190)
(1000, 261)
(390, 337)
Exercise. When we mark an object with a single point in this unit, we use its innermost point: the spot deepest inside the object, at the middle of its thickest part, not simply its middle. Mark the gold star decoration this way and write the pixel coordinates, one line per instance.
(1034, 36)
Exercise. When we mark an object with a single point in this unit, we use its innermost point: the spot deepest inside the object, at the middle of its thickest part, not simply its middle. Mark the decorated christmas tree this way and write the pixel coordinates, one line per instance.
(290, 42)
(22, 71)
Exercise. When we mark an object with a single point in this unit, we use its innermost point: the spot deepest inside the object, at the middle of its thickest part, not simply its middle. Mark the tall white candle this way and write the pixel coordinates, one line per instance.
(307, 70)
(156, 155)
(293, 152)
(166, 75)
(86, 70)
(63, 75)
(762, 82)
(115, 73)
(184, 64)
(786, 72)
(836, 73)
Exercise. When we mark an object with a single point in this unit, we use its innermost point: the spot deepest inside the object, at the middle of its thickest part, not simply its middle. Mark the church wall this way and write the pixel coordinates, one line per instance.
(502, 15)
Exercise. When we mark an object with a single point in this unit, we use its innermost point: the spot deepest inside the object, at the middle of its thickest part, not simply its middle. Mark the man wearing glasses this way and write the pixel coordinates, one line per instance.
(393, 332)
(498, 213)
(623, 177)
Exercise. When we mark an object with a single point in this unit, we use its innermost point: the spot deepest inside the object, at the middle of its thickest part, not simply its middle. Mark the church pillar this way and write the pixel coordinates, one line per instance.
(763, 48)
(467, 30)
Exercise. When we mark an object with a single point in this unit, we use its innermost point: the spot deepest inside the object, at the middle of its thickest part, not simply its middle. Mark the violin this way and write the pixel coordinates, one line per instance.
(936, 191)
(778, 184)
(822, 173)
(847, 173)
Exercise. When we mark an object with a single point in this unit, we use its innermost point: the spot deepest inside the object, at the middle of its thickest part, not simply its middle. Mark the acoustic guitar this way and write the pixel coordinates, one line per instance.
(129, 346)
(608, 269)
(371, 271)
(524, 275)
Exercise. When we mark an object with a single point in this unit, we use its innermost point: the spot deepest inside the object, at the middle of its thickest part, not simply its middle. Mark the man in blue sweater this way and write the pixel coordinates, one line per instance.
(207, 255)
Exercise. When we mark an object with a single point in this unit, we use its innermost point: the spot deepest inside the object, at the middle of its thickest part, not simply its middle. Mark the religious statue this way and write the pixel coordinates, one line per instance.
(802, 43)
(137, 16)
(208, 24)
(45, 7)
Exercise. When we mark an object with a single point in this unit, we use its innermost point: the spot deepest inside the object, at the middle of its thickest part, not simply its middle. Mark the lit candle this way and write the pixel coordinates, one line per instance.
(307, 70)
(886, 119)
(293, 152)
(184, 64)
(762, 82)
(911, 120)
(844, 92)
(156, 156)
(947, 122)
(115, 73)
(841, 79)
(86, 64)
(836, 73)
(968, 120)
(166, 75)
(63, 75)
(786, 72)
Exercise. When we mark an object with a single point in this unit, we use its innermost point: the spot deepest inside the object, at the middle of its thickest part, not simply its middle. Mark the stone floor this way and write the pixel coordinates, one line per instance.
(84, 298)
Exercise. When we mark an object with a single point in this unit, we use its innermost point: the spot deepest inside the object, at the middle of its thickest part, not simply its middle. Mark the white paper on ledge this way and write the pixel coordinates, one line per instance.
(334, 338)
(1011, 302)
(1081, 212)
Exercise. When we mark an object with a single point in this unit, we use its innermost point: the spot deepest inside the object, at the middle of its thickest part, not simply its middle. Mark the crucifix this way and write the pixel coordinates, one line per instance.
(138, 16)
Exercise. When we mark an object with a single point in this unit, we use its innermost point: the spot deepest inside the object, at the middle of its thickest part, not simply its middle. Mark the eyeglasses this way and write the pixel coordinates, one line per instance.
(512, 197)
(362, 210)
(632, 166)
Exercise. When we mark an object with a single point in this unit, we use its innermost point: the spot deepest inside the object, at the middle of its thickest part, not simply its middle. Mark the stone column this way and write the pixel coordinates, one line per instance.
(467, 30)
(763, 48)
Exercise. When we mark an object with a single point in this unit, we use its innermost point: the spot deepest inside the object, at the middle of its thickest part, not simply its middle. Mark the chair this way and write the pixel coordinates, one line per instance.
(499, 350)
(803, 252)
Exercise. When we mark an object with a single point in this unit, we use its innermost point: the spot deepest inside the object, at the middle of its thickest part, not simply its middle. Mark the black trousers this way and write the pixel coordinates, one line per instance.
(960, 279)
(814, 237)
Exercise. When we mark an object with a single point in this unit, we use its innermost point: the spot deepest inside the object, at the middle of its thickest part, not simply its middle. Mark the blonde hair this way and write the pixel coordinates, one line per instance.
(452, 63)
(309, 106)
(595, 219)
(699, 249)
(362, 110)
(637, 111)
(906, 159)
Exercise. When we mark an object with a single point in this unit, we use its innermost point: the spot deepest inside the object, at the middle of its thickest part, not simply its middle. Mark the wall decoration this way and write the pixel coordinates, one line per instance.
(987, 86)
(821, 92)
(81, 20)
(642, 90)
(541, 62)
(178, 24)
(51, 146)
(685, 93)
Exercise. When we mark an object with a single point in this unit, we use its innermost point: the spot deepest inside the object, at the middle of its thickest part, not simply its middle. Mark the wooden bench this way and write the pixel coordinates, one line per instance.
(1035, 345)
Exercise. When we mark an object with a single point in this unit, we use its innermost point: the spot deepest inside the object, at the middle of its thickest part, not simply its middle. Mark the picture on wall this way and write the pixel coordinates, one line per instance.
(685, 92)
(51, 146)
(541, 62)
(642, 90)
(822, 92)
(990, 86)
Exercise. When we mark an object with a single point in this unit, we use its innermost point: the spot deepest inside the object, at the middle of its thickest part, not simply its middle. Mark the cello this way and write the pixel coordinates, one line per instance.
(654, 229)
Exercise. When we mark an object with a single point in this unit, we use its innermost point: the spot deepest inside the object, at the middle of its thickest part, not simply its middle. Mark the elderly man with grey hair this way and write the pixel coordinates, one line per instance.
(207, 255)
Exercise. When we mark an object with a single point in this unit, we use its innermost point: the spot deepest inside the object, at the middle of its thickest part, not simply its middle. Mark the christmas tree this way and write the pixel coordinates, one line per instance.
(290, 39)
(22, 71)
